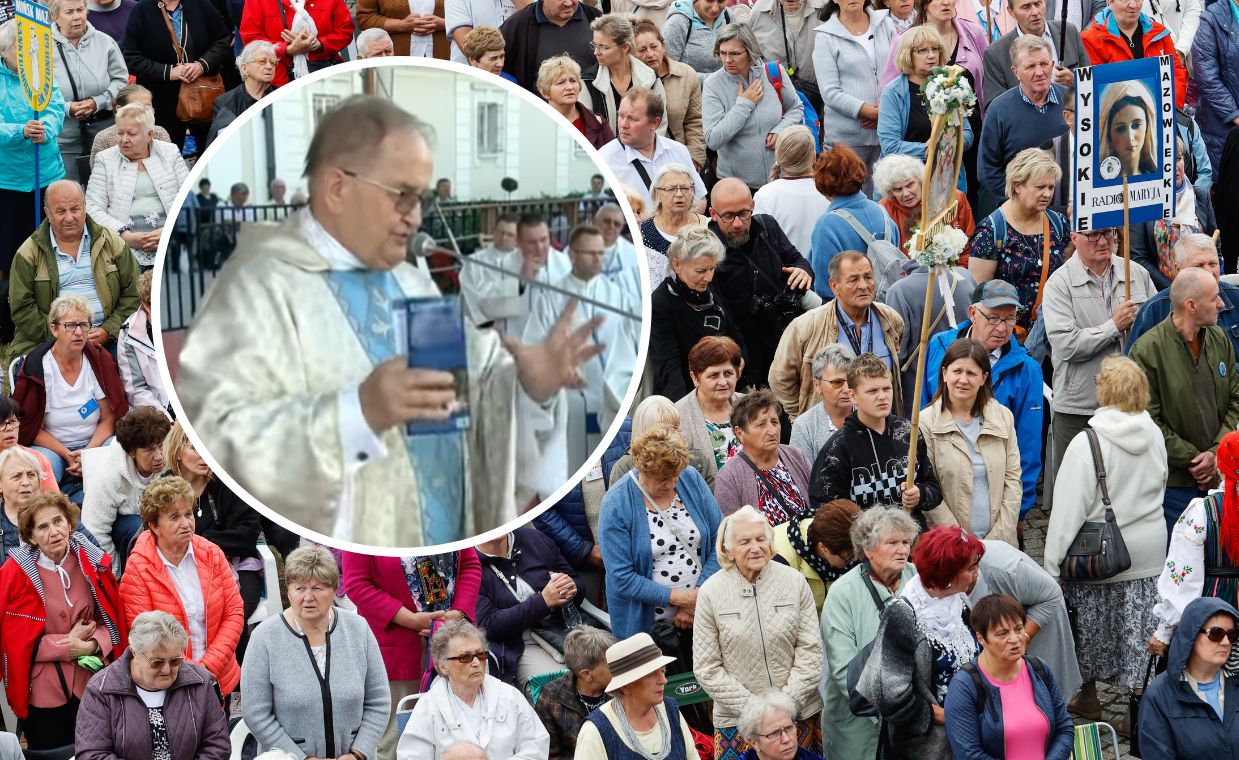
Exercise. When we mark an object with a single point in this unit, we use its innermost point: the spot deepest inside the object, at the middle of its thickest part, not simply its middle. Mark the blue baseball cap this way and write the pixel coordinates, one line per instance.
(994, 293)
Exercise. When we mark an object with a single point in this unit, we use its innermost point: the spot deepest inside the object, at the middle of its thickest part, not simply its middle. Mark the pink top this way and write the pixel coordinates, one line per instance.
(46, 690)
(1024, 727)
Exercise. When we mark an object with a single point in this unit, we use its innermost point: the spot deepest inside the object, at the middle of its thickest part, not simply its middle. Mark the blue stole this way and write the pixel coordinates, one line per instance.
(365, 296)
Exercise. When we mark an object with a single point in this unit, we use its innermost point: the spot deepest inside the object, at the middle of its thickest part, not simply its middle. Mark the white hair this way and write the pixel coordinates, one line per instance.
(761, 706)
(896, 169)
(364, 39)
(154, 629)
(140, 113)
(251, 51)
(1196, 241)
(8, 35)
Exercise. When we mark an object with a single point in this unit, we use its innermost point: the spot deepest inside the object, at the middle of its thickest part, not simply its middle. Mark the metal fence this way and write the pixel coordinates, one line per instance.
(203, 239)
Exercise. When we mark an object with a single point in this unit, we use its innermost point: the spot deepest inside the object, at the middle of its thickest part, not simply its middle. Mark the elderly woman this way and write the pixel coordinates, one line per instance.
(770, 475)
(639, 720)
(135, 183)
(68, 390)
(791, 196)
(151, 703)
(650, 413)
(672, 192)
(1027, 218)
(258, 63)
(62, 619)
(114, 476)
(898, 179)
(714, 366)
(1153, 243)
(90, 71)
(1183, 713)
(654, 581)
(483, 49)
(1006, 703)
(922, 642)
(756, 629)
(306, 37)
(565, 703)
(882, 538)
(1120, 609)
(466, 704)
(691, 32)
(172, 569)
(852, 44)
(813, 428)
(221, 517)
(559, 81)
(741, 111)
(683, 88)
(618, 71)
(130, 93)
(135, 354)
(314, 682)
(787, 31)
(842, 177)
(819, 546)
(970, 438)
(205, 43)
(23, 474)
(687, 308)
(768, 725)
(527, 586)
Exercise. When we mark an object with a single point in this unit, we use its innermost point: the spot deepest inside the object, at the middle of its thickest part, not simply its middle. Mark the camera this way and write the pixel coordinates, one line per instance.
(784, 306)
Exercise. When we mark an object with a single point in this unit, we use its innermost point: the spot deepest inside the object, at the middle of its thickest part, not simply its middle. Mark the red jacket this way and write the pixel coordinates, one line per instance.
(30, 392)
(378, 588)
(261, 20)
(1104, 44)
(147, 586)
(24, 613)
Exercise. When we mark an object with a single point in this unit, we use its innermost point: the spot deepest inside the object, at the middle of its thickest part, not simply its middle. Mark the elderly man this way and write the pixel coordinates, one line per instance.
(638, 151)
(1027, 116)
(1015, 377)
(70, 254)
(1030, 19)
(544, 29)
(760, 267)
(374, 43)
(853, 319)
(310, 414)
(1086, 315)
(620, 264)
(1193, 387)
(507, 299)
(565, 703)
(1195, 250)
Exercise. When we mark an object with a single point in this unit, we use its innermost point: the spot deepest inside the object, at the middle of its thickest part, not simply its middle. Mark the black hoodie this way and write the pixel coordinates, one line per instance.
(867, 467)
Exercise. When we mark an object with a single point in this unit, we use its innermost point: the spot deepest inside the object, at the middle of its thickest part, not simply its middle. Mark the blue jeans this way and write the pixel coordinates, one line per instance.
(1175, 502)
(123, 530)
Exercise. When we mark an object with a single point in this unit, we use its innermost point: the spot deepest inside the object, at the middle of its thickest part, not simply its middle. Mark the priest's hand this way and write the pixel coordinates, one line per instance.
(555, 363)
(394, 394)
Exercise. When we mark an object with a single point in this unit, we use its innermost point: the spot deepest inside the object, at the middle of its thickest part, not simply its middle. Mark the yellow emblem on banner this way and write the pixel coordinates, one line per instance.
(34, 53)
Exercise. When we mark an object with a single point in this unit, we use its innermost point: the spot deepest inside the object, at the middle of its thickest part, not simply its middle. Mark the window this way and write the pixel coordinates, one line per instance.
(490, 129)
(322, 104)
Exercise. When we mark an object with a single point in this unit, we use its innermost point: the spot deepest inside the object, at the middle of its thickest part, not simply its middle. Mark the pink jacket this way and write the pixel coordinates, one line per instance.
(972, 46)
(1000, 14)
(378, 588)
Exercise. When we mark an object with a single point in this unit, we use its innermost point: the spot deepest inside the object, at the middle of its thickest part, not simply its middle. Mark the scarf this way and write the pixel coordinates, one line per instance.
(302, 22)
(46, 563)
(698, 301)
(1228, 465)
(828, 572)
(941, 620)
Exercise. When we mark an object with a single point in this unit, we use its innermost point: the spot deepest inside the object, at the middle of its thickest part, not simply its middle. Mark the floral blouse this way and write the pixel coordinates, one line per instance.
(1183, 576)
(1019, 258)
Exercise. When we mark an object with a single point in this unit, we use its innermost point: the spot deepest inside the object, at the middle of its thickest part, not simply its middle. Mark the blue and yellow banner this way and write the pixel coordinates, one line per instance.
(34, 53)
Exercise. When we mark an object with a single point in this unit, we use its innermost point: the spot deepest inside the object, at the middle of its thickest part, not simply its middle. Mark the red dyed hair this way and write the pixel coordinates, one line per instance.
(839, 171)
(712, 351)
(1228, 465)
(943, 553)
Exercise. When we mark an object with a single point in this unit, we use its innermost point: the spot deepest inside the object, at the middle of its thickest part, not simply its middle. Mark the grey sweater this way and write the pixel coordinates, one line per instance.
(848, 78)
(689, 40)
(282, 700)
(98, 69)
(736, 127)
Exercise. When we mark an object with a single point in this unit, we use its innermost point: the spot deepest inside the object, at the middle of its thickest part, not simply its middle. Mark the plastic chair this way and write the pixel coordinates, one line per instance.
(14, 367)
(271, 603)
(241, 739)
(533, 687)
(1088, 741)
(603, 617)
(403, 713)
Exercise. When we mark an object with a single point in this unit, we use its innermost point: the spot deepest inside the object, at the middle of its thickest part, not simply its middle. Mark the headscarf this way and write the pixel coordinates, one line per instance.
(1228, 465)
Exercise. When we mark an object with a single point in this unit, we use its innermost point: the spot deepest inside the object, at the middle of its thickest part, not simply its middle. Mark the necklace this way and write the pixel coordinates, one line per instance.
(630, 735)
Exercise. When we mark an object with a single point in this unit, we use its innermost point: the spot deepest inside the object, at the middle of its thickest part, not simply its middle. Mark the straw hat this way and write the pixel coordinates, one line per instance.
(632, 659)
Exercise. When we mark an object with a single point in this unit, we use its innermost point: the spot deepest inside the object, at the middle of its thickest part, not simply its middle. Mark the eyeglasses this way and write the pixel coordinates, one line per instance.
(10, 424)
(174, 662)
(732, 216)
(1097, 235)
(1217, 633)
(406, 200)
(834, 382)
(676, 189)
(74, 326)
(604, 49)
(779, 733)
(732, 53)
(264, 61)
(468, 657)
(994, 320)
(924, 50)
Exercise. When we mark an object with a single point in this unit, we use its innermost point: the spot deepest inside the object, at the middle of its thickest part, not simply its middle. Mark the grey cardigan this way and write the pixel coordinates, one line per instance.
(848, 79)
(284, 702)
(98, 68)
(736, 127)
(693, 428)
(687, 45)
(736, 485)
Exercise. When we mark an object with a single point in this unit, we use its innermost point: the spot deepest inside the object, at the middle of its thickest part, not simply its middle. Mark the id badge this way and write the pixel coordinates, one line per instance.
(86, 410)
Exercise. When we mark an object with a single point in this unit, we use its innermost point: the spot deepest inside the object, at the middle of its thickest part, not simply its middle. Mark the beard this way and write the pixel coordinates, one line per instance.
(737, 240)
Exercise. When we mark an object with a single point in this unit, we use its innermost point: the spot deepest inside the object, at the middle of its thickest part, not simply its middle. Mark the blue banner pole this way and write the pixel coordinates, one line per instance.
(38, 206)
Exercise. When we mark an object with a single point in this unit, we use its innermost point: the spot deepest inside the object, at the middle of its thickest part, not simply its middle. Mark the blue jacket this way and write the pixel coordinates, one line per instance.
(1018, 385)
(1175, 724)
(1189, 129)
(1215, 59)
(832, 234)
(565, 523)
(1156, 309)
(979, 735)
(893, 114)
(628, 556)
(17, 167)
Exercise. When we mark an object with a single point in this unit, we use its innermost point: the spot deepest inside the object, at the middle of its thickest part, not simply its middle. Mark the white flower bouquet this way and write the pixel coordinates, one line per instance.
(948, 93)
(943, 249)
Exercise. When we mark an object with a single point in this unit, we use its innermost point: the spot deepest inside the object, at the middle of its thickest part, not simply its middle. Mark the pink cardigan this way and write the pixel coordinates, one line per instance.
(972, 46)
(378, 588)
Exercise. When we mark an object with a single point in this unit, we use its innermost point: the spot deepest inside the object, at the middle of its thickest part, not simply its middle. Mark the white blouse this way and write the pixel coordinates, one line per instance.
(1183, 575)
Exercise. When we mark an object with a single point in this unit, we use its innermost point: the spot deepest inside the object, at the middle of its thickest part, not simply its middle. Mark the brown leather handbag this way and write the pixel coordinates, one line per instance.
(196, 99)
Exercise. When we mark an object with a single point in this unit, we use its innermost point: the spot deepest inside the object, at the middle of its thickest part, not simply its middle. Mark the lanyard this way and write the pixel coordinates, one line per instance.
(855, 339)
(787, 45)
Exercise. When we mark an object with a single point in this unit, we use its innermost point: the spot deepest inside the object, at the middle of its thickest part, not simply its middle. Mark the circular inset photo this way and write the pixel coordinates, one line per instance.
(398, 306)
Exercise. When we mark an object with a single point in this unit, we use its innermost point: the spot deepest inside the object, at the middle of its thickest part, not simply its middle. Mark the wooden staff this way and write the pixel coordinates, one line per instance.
(1126, 243)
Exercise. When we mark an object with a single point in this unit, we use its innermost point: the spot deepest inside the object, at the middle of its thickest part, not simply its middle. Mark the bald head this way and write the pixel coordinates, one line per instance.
(729, 192)
(64, 189)
(1191, 284)
(464, 751)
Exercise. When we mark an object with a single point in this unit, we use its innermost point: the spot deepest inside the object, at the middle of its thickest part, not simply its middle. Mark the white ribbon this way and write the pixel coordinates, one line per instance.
(945, 275)
(302, 22)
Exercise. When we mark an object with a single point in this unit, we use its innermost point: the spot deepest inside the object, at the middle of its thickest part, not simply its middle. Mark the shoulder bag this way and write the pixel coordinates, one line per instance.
(99, 121)
(195, 101)
(1098, 551)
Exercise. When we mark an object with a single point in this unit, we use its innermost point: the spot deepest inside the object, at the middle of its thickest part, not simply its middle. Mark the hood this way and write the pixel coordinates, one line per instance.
(1194, 616)
(685, 7)
(1130, 432)
(1152, 30)
(86, 35)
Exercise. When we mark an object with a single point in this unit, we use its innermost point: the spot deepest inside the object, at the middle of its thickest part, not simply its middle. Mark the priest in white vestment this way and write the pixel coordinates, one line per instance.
(506, 300)
(620, 264)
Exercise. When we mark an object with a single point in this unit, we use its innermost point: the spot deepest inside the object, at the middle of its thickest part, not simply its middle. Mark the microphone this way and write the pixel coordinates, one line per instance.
(422, 245)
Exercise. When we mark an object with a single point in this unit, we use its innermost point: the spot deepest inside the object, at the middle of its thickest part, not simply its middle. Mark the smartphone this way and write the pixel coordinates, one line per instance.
(434, 331)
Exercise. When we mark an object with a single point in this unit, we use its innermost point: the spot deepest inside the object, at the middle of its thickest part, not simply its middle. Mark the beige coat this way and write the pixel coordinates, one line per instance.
(683, 87)
(1000, 450)
(767, 24)
(753, 637)
(791, 372)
